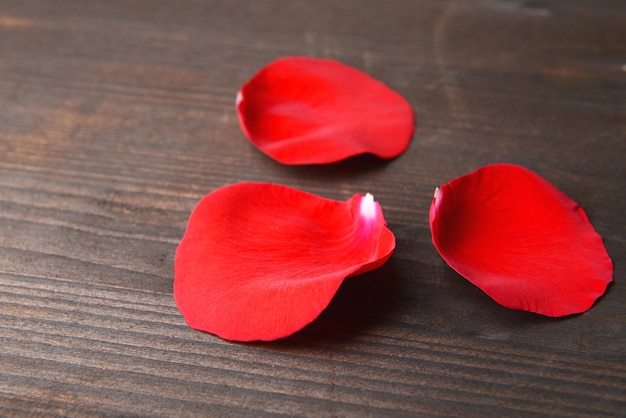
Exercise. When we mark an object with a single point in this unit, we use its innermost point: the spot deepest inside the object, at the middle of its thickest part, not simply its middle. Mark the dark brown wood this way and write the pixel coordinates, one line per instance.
(117, 116)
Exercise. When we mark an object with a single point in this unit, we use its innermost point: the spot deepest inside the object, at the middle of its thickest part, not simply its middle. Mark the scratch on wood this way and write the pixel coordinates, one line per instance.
(445, 77)
(12, 22)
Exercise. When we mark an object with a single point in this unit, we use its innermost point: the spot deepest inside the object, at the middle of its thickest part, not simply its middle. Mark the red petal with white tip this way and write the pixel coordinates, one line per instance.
(259, 261)
(301, 110)
(521, 240)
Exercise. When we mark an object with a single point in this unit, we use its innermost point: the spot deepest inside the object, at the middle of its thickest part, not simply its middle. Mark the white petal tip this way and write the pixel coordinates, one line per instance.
(368, 207)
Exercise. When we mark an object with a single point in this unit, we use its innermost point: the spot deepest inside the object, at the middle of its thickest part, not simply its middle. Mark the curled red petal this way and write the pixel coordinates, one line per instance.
(259, 261)
(301, 110)
(521, 240)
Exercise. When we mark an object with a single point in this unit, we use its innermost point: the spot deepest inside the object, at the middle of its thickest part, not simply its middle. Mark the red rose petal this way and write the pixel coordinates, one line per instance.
(302, 110)
(521, 240)
(260, 261)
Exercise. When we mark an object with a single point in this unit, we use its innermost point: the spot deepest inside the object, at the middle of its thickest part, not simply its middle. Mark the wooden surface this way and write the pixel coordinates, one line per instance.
(117, 116)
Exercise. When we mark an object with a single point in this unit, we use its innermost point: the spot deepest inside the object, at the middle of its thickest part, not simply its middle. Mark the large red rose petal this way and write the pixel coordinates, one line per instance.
(301, 110)
(521, 240)
(259, 261)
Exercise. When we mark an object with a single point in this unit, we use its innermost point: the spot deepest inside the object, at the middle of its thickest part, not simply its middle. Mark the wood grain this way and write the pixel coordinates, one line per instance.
(116, 117)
